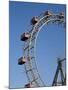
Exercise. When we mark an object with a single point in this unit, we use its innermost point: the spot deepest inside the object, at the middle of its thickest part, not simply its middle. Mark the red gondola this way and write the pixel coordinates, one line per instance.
(34, 20)
(21, 60)
(61, 15)
(25, 36)
(28, 85)
(47, 13)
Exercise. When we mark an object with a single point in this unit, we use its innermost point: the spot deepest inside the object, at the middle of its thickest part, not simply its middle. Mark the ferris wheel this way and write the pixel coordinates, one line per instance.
(29, 49)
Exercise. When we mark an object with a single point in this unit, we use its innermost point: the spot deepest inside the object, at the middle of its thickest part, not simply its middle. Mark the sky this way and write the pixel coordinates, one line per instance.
(50, 42)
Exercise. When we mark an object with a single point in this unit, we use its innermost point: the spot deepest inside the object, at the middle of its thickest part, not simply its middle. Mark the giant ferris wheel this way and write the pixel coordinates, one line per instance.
(29, 49)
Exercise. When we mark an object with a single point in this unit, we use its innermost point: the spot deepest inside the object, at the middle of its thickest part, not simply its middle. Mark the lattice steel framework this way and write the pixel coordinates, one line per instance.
(61, 69)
